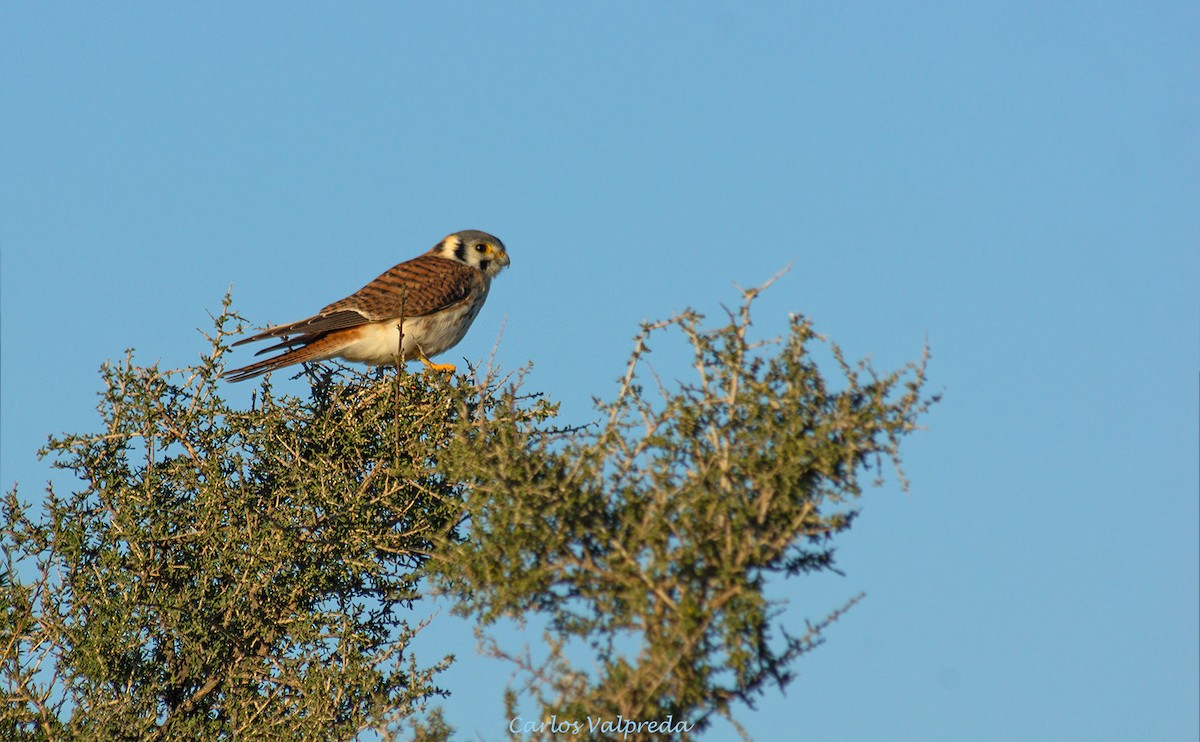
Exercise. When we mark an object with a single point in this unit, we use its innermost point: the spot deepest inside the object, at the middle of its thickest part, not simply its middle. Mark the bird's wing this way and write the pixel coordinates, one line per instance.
(414, 288)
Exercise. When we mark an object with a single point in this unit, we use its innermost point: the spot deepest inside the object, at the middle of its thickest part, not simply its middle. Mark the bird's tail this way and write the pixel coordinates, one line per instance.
(320, 349)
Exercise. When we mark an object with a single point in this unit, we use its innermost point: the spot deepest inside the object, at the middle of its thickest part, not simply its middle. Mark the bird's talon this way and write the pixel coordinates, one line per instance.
(448, 368)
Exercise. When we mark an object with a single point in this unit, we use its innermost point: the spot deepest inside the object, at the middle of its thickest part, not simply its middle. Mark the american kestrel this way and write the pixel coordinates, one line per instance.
(436, 296)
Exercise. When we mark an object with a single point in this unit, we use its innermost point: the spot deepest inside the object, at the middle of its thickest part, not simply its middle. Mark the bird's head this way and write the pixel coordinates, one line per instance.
(475, 248)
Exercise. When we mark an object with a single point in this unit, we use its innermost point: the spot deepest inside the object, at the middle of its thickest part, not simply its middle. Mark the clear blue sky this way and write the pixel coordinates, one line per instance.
(1018, 183)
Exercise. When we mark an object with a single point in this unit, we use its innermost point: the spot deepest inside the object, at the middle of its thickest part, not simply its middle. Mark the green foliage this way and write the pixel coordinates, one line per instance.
(222, 573)
(659, 527)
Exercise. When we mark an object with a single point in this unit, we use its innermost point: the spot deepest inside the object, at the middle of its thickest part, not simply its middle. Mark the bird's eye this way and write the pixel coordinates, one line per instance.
(481, 247)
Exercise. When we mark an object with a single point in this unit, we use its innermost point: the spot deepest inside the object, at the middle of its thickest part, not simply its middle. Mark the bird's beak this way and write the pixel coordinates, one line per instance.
(502, 259)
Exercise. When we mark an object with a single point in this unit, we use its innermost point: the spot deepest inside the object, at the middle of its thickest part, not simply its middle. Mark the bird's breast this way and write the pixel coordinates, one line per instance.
(379, 343)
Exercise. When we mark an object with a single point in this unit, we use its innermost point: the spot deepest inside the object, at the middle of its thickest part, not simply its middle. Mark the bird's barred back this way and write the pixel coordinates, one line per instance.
(414, 288)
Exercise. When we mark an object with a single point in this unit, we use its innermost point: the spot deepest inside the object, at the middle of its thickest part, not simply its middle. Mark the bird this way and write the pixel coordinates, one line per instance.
(413, 311)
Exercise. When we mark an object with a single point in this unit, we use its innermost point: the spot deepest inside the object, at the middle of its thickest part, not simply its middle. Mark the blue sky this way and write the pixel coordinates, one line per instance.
(1017, 183)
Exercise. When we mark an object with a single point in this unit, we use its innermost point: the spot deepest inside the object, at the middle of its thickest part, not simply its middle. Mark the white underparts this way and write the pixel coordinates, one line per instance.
(377, 343)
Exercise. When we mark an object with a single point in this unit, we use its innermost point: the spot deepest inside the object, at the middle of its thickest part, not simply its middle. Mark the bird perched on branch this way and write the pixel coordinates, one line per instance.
(417, 309)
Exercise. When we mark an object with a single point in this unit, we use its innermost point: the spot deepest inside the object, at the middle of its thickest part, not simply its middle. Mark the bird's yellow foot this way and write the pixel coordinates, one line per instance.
(443, 367)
